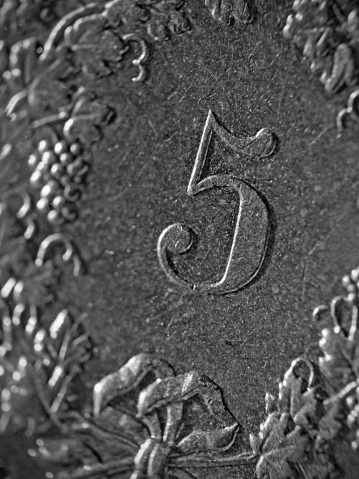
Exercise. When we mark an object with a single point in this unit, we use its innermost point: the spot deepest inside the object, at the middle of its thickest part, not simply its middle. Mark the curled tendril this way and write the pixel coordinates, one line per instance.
(319, 311)
(24, 214)
(297, 363)
(336, 316)
(70, 253)
(139, 61)
(351, 111)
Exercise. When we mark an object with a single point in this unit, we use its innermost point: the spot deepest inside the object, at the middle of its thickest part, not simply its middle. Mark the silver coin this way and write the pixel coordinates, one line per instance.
(179, 239)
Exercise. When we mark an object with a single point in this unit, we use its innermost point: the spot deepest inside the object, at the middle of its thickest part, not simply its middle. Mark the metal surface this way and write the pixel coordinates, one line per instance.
(131, 348)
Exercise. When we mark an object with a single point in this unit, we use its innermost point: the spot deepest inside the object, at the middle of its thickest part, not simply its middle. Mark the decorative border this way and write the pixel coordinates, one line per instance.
(142, 419)
(154, 436)
(49, 120)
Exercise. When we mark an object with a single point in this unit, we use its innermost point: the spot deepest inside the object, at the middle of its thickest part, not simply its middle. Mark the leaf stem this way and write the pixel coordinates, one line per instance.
(112, 467)
(86, 426)
(50, 120)
(202, 462)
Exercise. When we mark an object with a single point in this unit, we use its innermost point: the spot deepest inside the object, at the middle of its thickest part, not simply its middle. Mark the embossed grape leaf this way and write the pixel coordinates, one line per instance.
(212, 440)
(87, 118)
(297, 399)
(8, 17)
(165, 18)
(159, 19)
(39, 364)
(352, 420)
(104, 444)
(119, 10)
(229, 11)
(157, 436)
(21, 280)
(342, 72)
(331, 423)
(93, 455)
(128, 377)
(327, 33)
(289, 440)
(111, 437)
(49, 94)
(117, 420)
(32, 284)
(30, 280)
(320, 465)
(280, 451)
(23, 63)
(181, 388)
(12, 244)
(22, 16)
(33, 88)
(340, 363)
(4, 58)
(67, 451)
(90, 34)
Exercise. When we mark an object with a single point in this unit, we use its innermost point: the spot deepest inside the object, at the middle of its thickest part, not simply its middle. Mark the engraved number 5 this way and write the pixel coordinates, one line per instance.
(250, 237)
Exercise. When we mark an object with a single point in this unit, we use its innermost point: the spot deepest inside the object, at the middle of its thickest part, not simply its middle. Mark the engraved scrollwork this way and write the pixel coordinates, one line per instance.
(252, 228)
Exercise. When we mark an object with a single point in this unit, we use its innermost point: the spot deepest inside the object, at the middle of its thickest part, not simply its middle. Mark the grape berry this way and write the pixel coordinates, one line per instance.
(59, 173)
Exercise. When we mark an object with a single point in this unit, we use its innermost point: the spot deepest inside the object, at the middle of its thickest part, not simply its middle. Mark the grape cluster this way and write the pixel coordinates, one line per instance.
(59, 173)
(351, 283)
